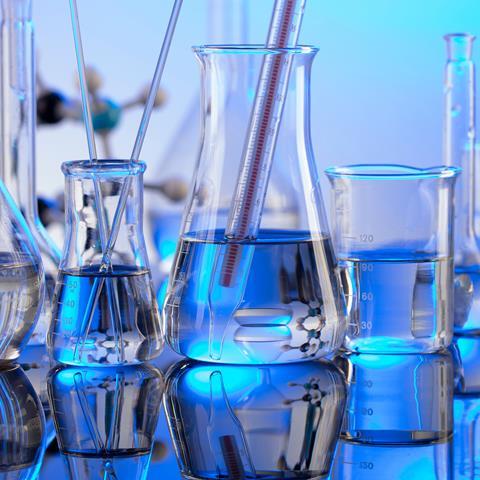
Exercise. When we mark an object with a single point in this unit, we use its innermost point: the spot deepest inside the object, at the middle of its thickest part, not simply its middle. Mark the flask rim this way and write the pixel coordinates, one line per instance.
(107, 167)
(391, 171)
(234, 49)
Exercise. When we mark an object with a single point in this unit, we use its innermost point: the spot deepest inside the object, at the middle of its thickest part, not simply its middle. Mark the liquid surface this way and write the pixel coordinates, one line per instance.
(284, 304)
(21, 294)
(108, 467)
(117, 333)
(398, 305)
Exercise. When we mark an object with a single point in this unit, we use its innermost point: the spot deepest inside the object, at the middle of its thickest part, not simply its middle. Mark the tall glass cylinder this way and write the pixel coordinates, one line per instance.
(459, 150)
(284, 301)
(17, 130)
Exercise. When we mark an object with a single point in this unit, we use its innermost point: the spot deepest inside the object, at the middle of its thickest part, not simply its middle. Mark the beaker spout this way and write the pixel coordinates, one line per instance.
(459, 46)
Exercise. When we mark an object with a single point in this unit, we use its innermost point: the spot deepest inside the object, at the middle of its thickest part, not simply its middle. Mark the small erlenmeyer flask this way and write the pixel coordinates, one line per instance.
(17, 134)
(105, 419)
(22, 284)
(285, 304)
(104, 315)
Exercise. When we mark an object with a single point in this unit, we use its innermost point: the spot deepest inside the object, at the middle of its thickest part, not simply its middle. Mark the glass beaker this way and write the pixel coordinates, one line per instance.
(459, 151)
(22, 436)
(105, 419)
(104, 316)
(227, 22)
(285, 303)
(393, 232)
(399, 413)
(17, 134)
(22, 284)
(268, 422)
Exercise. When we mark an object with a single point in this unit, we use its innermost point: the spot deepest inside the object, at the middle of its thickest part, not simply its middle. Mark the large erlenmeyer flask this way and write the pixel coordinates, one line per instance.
(459, 150)
(22, 283)
(227, 23)
(17, 134)
(286, 304)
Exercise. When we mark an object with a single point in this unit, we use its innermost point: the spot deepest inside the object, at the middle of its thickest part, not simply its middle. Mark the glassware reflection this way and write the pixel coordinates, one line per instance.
(22, 432)
(105, 419)
(264, 422)
(467, 409)
(398, 418)
(36, 364)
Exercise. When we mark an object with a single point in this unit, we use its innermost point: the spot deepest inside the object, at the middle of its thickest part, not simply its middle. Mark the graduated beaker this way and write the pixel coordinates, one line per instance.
(393, 232)
(283, 300)
(104, 314)
(399, 413)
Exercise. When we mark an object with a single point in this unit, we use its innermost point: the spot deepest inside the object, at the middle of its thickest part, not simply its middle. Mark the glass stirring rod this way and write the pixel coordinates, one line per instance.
(246, 211)
(122, 202)
(112, 296)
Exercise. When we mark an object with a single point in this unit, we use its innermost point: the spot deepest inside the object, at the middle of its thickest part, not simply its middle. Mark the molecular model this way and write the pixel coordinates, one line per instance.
(54, 107)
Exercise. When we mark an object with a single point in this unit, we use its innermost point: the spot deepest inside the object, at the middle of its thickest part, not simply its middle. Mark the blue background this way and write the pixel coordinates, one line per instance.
(377, 81)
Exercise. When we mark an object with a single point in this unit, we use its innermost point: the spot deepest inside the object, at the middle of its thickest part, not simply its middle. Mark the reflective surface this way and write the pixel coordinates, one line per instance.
(375, 417)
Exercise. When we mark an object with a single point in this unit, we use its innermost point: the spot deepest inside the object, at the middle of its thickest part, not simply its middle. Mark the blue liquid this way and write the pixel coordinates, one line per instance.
(397, 305)
(284, 303)
(128, 465)
(399, 400)
(137, 337)
(378, 462)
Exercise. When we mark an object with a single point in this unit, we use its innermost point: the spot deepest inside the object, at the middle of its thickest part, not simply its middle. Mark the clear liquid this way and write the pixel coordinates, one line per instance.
(128, 466)
(285, 303)
(130, 333)
(398, 305)
(40, 333)
(367, 462)
(21, 294)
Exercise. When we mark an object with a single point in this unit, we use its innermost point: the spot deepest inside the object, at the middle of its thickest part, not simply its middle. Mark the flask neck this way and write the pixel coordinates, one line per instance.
(229, 85)
(17, 118)
(92, 196)
(459, 141)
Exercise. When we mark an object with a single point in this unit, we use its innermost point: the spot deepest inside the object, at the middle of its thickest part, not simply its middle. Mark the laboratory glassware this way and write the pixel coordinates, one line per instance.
(286, 303)
(22, 282)
(393, 232)
(22, 436)
(269, 422)
(120, 322)
(105, 419)
(227, 22)
(17, 123)
(466, 409)
(399, 414)
(36, 364)
(459, 151)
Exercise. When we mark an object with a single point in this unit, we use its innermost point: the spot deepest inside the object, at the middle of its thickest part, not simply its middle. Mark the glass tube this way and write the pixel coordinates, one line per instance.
(17, 129)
